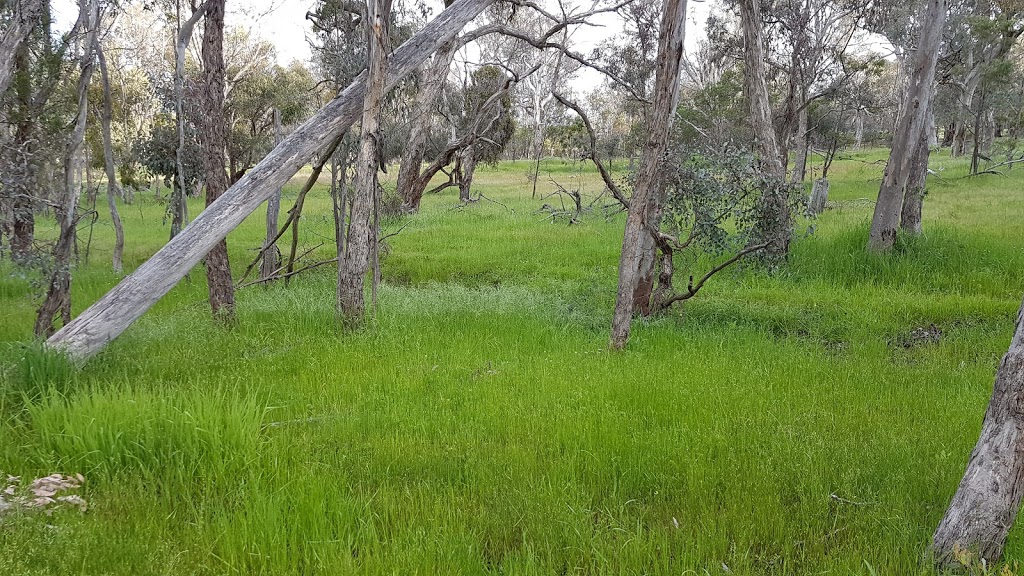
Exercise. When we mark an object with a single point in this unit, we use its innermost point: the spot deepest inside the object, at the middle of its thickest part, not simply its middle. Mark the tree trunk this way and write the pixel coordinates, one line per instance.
(23, 217)
(361, 232)
(801, 144)
(114, 312)
(25, 17)
(819, 197)
(648, 194)
(909, 130)
(271, 254)
(775, 225)
(432, 82)
(179, 199)
(988, 498)
(58, 290)
(467, 169)
(913, 200)
(858, 139)
(214, 140)
(108, 163)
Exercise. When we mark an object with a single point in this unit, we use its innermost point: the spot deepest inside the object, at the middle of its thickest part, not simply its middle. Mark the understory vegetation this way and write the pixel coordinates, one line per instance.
(812, 420)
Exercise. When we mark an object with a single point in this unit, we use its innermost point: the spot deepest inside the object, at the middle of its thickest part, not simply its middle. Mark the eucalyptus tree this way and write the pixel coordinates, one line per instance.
(911, 126)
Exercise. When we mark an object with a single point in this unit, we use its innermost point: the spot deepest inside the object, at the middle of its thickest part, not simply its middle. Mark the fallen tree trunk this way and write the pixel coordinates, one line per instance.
(114, 312)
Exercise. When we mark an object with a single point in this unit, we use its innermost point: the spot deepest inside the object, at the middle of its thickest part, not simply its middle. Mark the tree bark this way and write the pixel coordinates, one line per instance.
(362, 234)
(648, 194)
(986, 502)
(271, 254)
(23, 218)
(467, 168)
(108, 163)
(909, 130)
(775, 225)
(214, 140)
(25, 18)
(913, 200)
(819, 197)
(432, 82)
(179, 207)
(801, 144)
(114, 312)
(58, 289)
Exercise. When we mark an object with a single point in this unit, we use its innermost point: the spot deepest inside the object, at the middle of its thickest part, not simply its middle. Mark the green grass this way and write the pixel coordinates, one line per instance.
(776, 424)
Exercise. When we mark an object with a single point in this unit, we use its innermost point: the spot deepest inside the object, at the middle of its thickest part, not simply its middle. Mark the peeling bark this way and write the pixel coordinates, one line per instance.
(648, 194)
(986, 502)
(362, 234)
(214, 140)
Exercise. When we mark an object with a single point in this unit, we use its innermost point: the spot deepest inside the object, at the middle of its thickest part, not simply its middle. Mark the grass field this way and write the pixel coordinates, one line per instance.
(786, 423)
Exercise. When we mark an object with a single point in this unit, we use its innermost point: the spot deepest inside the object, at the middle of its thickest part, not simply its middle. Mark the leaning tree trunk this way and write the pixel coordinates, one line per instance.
(214, 138)
(25, 17)
(986, 503)
(913, 200)
(362, 234)
(909, 129)
(775, 225)
(108, 163)
(432, 82)
(58, 290)
(648, 193)
(114, 312)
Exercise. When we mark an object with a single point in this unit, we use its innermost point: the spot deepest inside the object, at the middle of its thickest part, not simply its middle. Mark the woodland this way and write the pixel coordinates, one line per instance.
(512, 287)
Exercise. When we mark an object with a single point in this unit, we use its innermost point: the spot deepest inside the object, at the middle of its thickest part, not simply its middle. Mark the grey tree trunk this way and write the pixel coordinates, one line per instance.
(362, 234)
(819, 197)
(467, 168)
(986, 502)
(58, 290)
(909, 130)
(108, 163)
(775, 225)
(648, 194)
(179, 206)
(271, 254)
(913, 200)
(25, 18)
(114, 312)
(800, 142)
(214, 139)
(858, 139)
(432, 82)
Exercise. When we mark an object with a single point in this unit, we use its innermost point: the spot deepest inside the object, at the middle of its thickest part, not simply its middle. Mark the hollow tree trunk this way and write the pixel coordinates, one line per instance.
(913, 200)
(774, 223)
(214, 139)
(114, 312)
(909, 129)
(108, 164)
(432, 82)
(986, 502)
(362, 235)
(24, 18)
(58, 290)
(648, 194)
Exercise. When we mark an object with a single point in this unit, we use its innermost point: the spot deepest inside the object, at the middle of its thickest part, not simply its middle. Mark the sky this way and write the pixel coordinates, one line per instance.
(283, 23)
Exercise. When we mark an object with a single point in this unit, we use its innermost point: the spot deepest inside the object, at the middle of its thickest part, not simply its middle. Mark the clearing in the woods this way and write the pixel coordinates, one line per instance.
(815, 420)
